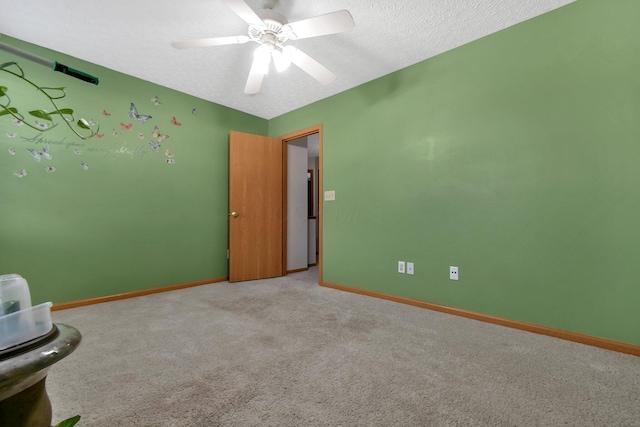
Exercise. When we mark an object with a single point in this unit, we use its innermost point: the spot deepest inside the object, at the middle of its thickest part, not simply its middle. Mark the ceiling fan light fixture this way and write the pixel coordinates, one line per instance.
(281, 60)
(262, 57)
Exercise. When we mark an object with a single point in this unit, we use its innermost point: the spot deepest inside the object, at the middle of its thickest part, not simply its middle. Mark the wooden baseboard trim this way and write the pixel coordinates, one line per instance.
(108, 298)
(542, 330)
(313, 265)
(297, 270)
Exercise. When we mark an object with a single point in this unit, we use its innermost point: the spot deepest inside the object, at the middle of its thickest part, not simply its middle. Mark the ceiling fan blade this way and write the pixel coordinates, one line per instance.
(244, 11)
(331, 23)
(256, 75)
(216, 41)
(312, 67)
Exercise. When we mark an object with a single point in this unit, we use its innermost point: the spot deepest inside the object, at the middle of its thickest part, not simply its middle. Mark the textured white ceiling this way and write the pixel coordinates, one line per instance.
(134, 36)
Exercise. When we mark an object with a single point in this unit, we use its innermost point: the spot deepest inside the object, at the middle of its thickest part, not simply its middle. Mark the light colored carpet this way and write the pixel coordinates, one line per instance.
(287, 352)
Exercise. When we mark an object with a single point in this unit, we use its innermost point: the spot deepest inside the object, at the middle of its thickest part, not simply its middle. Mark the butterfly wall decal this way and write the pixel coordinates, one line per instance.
(35, 154)
(156, 134)
(155, 146)
(45, 152)
(126, 127)
(155, 101)
(42, 125)
(175, 122)
(99, 135)
(38, 155)
(133, 113)
(21, 173)
(104, 113)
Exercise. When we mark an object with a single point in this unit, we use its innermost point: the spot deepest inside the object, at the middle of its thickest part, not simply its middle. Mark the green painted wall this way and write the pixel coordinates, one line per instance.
(131, 221)
(514, 158)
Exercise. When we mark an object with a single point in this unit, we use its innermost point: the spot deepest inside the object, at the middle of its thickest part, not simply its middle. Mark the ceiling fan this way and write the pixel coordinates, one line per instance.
(270, 30)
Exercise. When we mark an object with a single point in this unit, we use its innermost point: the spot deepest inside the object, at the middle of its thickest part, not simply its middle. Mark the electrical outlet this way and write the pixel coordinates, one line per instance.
(409, 268)
(401, 267)
(453, 273)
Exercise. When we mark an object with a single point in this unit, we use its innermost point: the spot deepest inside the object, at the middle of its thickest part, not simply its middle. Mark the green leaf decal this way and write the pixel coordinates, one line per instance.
(62, 111)
(41, 114)
(65, 113)
(82, 123)
(8, 111)
(3, 90)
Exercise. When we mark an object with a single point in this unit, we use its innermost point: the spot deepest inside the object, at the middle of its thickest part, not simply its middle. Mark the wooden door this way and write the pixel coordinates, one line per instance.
(255, 207)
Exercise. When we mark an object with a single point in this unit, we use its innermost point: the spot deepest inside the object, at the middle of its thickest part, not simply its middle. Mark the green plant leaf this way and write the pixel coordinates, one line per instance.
(63, 111)
(8, 111)
(70, 422)
(82, 123)
(41, 114)
(3, 90)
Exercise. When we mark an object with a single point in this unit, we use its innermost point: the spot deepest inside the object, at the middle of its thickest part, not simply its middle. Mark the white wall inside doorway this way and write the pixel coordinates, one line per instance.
(297, 224)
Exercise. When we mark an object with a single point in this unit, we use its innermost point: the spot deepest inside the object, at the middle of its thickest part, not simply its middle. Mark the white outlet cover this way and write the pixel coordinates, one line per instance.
(401, 267)
(453, 273)
(329, 195)
(409, 268)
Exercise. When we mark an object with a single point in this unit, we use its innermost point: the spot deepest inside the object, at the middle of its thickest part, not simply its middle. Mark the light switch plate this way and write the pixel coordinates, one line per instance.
(329, 196)
(409, 268)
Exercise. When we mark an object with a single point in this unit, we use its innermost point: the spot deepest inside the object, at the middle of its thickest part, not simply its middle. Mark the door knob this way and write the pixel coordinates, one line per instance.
(234, 214)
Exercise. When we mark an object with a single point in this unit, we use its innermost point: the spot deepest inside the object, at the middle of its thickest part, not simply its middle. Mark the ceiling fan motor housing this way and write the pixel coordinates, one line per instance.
(271, 32)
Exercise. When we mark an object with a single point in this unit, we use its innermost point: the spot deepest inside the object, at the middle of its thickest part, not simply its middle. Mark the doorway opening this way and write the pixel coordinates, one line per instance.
(302, 233)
